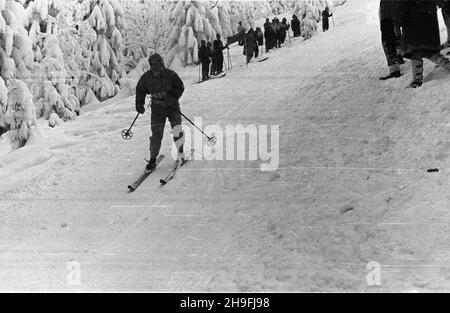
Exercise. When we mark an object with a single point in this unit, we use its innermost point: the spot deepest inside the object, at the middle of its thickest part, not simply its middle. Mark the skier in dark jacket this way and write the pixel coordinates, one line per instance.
(326, 14)
(268, 35)
(295, 25)
(420, 36)
(218, 54)
(165, 88)
(203, 57)
(389, 38)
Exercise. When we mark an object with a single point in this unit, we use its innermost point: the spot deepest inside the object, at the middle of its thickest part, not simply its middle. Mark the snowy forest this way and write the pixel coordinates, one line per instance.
(58, 56)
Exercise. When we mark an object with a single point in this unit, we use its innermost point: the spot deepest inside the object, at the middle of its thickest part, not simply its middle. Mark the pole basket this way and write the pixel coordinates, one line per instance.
(212, 141)
(127, 134)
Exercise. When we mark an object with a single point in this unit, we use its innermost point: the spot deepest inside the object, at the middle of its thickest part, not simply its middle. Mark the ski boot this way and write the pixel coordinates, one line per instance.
(395, 74)
(151, 165)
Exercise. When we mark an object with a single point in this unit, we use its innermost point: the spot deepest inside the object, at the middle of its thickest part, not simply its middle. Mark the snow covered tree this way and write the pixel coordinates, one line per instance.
(191, 22)
(309, 13)
(147, 26)
(17, 111)
(100, 26)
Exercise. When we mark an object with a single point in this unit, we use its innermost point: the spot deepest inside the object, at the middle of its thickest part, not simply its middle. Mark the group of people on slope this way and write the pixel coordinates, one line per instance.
(410, 29)
(275, 32)
(211, 54)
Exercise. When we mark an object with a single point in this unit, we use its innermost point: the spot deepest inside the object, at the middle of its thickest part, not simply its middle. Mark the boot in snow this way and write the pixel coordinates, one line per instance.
(395, 74)
(415, 84)
(151, 165)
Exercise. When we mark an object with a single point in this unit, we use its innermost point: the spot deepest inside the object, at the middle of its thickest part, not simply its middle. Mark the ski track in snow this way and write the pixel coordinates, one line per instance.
(352, 185)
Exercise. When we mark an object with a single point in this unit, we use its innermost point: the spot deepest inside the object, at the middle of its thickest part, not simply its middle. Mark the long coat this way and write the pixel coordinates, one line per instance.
(420, 27)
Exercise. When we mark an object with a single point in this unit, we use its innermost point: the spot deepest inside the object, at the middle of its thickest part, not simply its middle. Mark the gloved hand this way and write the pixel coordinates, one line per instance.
(140, 109)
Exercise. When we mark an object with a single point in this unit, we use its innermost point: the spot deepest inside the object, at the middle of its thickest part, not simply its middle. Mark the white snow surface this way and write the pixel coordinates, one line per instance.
(351, 188)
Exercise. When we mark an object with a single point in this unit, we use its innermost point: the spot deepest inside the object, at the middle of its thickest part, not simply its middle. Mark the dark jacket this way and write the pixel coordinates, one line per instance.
(169, 82)
(259, 36)
(388, 9)
(203, 54)
(218, 47)
(250, 42)
(295, 25)
(420, 27)
(268, 30)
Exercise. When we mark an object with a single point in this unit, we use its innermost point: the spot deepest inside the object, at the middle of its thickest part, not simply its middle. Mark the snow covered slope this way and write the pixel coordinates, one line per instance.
(351, 188)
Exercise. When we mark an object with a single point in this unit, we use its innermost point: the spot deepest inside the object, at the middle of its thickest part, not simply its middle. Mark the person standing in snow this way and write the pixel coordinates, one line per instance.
(389, 38)
(276, 29)
(211, 58)
(165, 88)
(326, 14)
(250, 44)
(284, 28)
(268, 35)
(445, 8)
(259, 40)
(239, 29)
(203, 57)
(419, 26)
(218, 54)
(295, 25)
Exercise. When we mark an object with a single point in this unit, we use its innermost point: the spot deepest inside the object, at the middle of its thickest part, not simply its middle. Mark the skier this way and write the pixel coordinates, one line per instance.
(165, 88)
(389, 38)
(445, 8)
(218, 54)
(295, 25)
(326, 14)
(268, 35)
(420, 36)
(203, 57)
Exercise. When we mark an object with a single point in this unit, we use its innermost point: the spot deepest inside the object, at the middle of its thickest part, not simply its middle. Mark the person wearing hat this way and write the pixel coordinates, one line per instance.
(165, 88)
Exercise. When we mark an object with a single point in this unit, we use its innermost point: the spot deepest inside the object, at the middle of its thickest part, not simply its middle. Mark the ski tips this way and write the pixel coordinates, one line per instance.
(163, 182)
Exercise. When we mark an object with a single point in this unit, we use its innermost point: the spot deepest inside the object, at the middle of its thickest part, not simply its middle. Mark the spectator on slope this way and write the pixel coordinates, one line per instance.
(211, 58)
(250, 44)
(445, 8)
(203, 57)
(326, 14)
(295, 26)
(389, 37)
(165, 88)
(284, 27)
(259, 40)
(420, 36)
(218, 47)
(239, 29)
(276, 28)
(268, 35)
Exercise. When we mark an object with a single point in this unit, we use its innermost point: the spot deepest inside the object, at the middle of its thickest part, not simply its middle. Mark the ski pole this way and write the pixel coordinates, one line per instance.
(199, 76)
(127, 134)
(334, 25)
(211, 140)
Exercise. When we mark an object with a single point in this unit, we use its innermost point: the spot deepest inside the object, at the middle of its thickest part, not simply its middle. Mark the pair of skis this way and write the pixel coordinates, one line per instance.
(211, 77)
(165, 180)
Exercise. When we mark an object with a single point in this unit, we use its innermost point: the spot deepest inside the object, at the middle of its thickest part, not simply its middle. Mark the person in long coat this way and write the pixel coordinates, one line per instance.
(420, 36)
(259, 40)
(250, 44)
(326, 14)
(268, 35)
(204, 58)
(295, 24)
